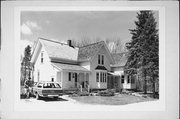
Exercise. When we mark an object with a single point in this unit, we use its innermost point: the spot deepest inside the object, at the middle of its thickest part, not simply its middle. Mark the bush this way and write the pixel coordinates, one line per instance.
(107, 93)
(84, 93)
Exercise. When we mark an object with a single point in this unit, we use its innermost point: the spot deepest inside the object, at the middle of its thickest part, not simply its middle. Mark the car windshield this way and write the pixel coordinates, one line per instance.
(51, 85)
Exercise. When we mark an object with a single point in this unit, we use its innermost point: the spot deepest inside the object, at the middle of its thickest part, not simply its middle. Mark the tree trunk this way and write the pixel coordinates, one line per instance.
(145, 82)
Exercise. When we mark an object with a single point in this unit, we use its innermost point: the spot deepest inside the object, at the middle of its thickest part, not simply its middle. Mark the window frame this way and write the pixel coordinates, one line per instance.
(42, 56)
(100, 76)
(102, 59)
(69, 76)
(97, 76)
(128, 79)
(122, 78)
(99, 59)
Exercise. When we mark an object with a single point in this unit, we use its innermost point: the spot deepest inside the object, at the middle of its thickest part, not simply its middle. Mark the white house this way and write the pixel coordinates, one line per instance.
(126, 82)
(88, 67)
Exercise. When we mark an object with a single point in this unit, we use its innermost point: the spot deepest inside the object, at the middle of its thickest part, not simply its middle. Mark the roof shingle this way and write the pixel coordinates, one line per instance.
(60, 50)
(87, 52)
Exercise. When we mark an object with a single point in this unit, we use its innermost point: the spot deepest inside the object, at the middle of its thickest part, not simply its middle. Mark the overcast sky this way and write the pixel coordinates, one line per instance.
(75, 25)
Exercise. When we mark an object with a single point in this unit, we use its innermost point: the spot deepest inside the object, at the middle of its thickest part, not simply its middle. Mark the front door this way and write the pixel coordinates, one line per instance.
(76, 80)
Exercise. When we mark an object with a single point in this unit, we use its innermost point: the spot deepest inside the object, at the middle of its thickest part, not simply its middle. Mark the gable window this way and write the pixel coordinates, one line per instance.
(122, 79)
(69, 76)
(42, 57)
(102, 60)
(99, 59)
(97, 76)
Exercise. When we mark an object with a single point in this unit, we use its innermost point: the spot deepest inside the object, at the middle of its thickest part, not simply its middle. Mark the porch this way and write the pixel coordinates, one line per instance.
(113, 81)
(72, 77)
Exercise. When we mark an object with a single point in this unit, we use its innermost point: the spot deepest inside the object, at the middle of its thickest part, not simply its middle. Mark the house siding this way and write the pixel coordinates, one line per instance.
(120, 71)
(93, 65)
(44, 74)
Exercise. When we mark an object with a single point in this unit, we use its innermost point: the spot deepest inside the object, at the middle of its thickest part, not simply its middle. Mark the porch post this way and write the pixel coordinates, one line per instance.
(84, 80)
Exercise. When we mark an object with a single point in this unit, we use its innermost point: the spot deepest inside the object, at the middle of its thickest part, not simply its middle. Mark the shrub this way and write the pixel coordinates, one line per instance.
(84, 93)
(106, 93)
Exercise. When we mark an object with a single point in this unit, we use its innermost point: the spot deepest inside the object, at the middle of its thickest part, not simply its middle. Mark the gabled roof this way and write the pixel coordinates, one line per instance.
(59, 50)
(69, 67)
(63, 52)
(120, 59)
(87, 52)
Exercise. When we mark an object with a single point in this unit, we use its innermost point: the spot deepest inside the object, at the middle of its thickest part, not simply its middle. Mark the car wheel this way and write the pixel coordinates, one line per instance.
(37, 96)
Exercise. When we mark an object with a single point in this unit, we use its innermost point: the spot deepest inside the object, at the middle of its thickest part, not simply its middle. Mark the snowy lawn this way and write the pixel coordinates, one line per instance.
(120, 99)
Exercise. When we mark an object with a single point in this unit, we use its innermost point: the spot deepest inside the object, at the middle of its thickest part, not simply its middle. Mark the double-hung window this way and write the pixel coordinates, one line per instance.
(97, 76)
(42, 57)
(69, 76)
(129, 79)
(101, 77)
(102, 60)
(122, 79)
(99, 59)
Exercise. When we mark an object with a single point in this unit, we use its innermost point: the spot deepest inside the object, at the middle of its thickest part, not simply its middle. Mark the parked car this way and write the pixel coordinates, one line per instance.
(47, 89)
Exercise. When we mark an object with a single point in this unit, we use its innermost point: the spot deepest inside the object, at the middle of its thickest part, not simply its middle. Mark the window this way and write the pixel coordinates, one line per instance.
(41, 57)
(69, 76)
(101, 77)
(105, 78)
(52, 79)
(99, 59)
(122, 79)
(102, 59)
(97, 76)
(73, 75)
(128, 81)
(39, 85)
(38, 75)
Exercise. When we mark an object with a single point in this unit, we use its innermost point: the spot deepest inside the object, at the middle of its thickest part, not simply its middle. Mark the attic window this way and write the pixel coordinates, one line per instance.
(99, 60)
(102, 59)
(42, 57)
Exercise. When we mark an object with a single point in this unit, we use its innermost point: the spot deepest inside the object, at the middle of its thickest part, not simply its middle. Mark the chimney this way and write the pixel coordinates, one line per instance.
(69, 43)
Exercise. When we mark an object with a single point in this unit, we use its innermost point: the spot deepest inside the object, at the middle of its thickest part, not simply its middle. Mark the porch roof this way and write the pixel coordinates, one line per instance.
(114, 74)
(70, 67)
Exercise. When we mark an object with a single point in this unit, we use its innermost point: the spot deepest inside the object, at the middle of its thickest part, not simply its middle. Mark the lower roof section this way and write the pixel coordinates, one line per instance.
(70, 67)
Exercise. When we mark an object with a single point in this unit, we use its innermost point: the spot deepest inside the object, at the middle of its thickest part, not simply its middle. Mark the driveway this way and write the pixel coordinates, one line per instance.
(61, 99)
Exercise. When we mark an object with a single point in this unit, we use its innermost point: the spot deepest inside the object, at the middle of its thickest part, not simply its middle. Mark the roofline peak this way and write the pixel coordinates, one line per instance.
(91, 44)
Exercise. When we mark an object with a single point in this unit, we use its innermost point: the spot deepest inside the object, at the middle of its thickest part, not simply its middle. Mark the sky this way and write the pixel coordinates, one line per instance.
(65, 25)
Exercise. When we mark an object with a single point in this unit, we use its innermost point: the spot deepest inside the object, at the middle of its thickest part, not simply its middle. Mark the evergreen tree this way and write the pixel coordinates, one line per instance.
(26, 65)
(144, 48)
